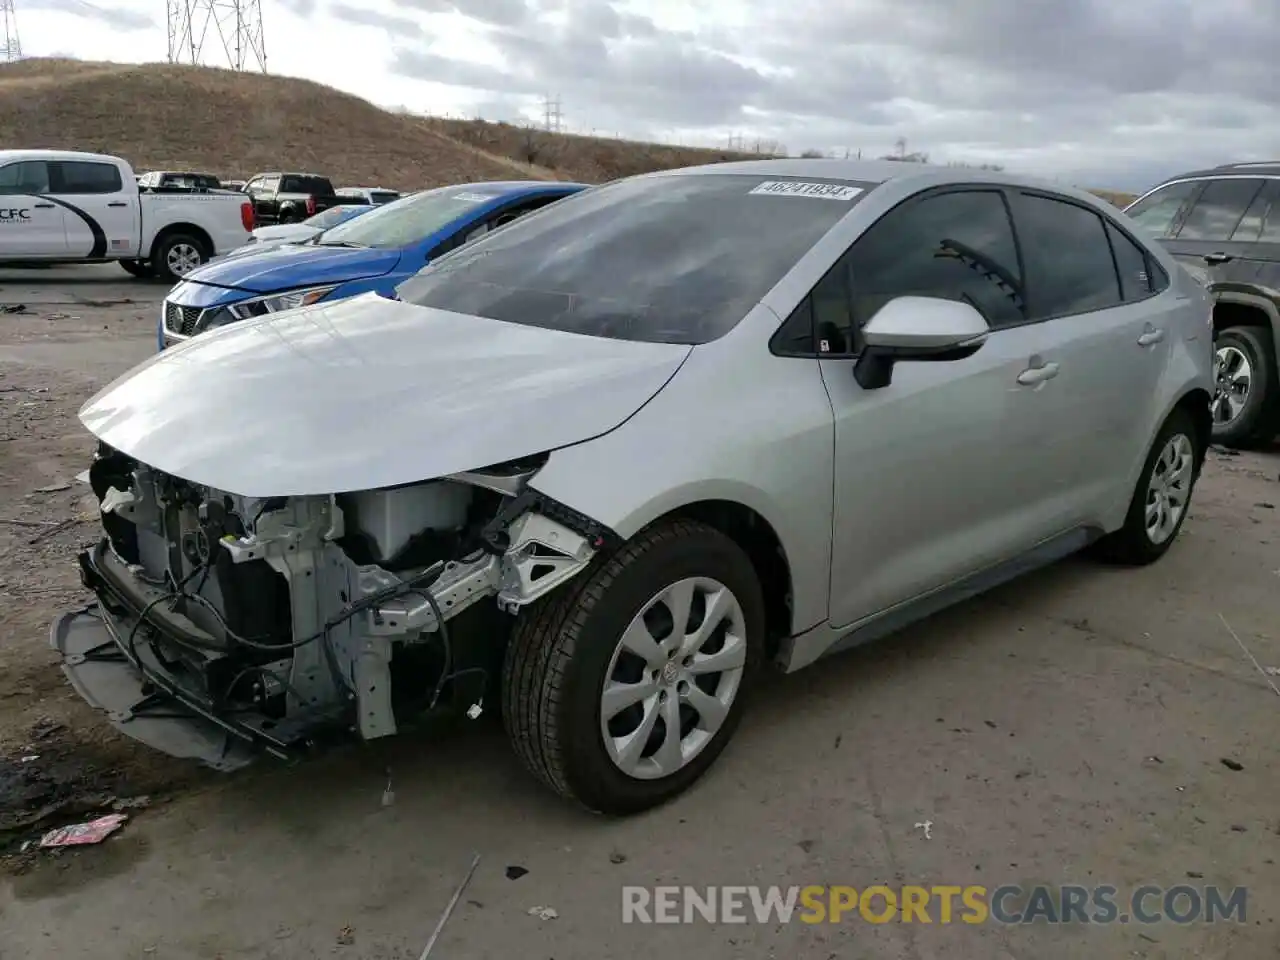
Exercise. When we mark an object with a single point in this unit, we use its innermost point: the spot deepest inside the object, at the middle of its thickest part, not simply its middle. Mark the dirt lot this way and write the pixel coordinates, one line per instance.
(1070, 728)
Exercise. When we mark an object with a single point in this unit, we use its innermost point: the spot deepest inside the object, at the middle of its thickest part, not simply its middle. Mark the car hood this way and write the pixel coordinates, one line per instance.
(288, 267)
(367, 393)
(286, 231)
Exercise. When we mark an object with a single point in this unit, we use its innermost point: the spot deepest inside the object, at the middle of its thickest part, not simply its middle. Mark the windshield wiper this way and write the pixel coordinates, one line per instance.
(342, 243)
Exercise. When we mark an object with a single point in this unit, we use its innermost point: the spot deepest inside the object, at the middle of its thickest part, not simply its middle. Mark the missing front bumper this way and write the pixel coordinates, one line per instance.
(101, 672)
(146, 700)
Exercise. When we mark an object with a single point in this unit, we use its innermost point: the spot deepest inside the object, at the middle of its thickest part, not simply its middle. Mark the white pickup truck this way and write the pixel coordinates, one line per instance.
(57, 206)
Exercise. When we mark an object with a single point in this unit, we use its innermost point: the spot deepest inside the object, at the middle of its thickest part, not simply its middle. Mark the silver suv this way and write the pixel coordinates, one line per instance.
(604, 464)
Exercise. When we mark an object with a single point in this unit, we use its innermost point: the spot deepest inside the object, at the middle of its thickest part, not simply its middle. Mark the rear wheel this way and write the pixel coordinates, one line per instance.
(1244, 396)
(138, 268)
(621, 690)
(177, 254)
(1163, 495)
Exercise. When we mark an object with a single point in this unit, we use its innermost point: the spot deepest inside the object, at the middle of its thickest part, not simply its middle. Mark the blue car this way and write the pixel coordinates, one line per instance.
(376, 251)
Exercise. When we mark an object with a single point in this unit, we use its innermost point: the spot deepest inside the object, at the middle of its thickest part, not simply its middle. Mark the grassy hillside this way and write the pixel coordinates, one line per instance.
(165, 116)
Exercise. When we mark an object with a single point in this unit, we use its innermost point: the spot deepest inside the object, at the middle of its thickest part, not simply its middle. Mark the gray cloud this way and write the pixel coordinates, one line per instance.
(113, 17)
(1095, 91)
(394, 24)
(509, 13)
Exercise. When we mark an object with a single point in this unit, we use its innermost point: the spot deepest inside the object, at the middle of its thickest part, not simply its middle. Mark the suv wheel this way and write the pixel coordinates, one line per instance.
(1244, 391)
(1163, 495)
(622, 689)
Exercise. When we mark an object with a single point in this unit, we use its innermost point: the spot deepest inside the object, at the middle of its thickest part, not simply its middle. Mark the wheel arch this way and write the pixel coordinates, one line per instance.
(1239, 308)
(758, 539)
(193, 230)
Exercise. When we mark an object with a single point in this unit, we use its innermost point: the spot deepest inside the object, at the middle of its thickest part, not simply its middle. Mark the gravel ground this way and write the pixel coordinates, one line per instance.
(1068, 728)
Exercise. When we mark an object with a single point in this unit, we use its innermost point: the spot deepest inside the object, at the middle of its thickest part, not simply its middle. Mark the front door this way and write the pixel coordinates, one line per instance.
(1212, 236)
(102, 211)
(31, 226)
(945, 471)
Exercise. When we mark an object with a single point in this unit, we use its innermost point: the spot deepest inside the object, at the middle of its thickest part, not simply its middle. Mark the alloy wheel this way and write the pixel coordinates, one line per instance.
(673, 678)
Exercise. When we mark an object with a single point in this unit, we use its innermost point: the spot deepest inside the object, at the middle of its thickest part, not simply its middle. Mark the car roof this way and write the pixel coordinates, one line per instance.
(504, 187)
(1251, 168)
(916, 175)
(37, 154)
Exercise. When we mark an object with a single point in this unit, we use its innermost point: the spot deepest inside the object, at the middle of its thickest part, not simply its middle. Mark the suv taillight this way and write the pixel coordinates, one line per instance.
(247, 218)
(311, 206)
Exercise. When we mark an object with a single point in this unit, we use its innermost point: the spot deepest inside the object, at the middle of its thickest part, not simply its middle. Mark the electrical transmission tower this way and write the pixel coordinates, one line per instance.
(235, 24)
(11, 49)
(551, 115)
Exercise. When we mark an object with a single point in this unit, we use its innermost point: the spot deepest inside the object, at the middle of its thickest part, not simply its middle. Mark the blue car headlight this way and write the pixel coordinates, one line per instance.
(274, 303)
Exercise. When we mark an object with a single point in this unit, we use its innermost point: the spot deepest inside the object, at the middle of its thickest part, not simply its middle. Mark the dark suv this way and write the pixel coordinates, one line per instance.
(1224, 226)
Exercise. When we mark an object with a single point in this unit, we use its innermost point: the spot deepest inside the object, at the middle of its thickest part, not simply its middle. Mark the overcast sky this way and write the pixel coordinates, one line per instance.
(1106, 93)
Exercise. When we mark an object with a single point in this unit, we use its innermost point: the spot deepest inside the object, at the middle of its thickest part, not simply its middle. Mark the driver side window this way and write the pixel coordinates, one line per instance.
(956, 245)
(29, 177)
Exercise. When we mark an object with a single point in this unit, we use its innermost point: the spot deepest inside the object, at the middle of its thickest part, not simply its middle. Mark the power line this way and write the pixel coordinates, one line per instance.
(11, 50)
(236, 24)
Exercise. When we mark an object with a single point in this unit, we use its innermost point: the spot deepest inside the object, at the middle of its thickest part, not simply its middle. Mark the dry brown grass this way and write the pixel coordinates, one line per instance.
(164, 116)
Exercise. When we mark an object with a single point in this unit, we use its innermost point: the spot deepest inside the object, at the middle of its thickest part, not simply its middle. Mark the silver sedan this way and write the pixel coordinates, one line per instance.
(604, 464)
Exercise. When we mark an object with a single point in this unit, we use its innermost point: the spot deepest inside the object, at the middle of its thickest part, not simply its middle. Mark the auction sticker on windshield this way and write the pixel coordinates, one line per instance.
(797, 188)
(473, 197)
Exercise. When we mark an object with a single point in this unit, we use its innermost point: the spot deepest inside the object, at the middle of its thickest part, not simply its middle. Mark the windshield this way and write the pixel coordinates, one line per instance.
(335, 215)
(671, 259)
(407, 220)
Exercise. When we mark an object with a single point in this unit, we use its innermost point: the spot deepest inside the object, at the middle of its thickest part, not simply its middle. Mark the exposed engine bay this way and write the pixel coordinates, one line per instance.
(281, 620)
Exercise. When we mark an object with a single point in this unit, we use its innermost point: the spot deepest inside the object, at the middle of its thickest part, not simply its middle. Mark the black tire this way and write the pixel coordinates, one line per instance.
(138, 268)
(562, 646)
(1132, 545)
(165, 246)
(1256, 422)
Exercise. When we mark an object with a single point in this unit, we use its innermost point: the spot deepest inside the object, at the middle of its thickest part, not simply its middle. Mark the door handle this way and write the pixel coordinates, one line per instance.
(43, 206)
(1033, 375)
(1150, 337)
(117, 203)
(1216, 258)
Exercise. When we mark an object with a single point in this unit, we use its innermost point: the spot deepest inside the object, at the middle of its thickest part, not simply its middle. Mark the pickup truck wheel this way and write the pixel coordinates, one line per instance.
(1244, 396)
(177, 254)
(620, 690)
(137, 268)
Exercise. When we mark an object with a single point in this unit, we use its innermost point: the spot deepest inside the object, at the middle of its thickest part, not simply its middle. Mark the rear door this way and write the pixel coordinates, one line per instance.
(31, 224)
(1094, 292)
(104, 211)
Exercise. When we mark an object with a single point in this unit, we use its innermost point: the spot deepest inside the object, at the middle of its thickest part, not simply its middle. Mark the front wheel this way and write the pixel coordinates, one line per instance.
(177, 254)
(622, 689)
(1163, 495)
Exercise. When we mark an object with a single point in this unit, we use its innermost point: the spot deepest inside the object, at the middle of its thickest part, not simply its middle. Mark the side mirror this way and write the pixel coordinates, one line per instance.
(917, 328)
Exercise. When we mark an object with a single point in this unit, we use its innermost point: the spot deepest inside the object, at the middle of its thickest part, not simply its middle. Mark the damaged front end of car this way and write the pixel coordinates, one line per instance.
(225, 625)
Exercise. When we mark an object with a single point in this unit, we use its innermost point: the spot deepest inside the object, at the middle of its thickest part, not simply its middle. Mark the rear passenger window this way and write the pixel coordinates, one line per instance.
(1219, 208)
(1131, 264)
(1270, 227)
(957, 245)
(1068, 259)
(82, 177)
